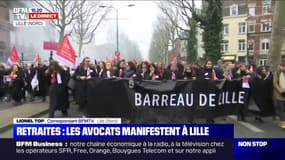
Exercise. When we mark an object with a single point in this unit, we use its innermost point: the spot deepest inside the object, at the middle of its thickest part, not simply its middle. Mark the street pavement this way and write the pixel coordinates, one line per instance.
(248, 129)
(6, 105)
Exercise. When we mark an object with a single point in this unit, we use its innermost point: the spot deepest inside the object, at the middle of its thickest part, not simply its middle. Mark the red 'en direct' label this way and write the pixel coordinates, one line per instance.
(43, 16)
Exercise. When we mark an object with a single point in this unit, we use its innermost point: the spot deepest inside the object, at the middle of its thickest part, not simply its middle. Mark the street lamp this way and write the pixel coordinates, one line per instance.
(117, 24)
(22, 58)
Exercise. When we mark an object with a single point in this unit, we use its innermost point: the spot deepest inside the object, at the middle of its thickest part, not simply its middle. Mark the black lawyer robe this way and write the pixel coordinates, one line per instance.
(81, 85)
(59, 94)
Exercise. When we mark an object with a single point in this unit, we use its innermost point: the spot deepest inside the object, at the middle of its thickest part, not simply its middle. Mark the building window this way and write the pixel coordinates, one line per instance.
(234, 10)
(250, 45)
(265, 45)
(241, 45)
(225, 46)
(226, 29)
(242, 28)
(251, 27)
(266, 8)
(263, 62)
(265, 26)
(241, 59)
(251, 11)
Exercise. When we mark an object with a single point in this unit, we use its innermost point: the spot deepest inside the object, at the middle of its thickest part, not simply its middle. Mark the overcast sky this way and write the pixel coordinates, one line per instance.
(136, 22)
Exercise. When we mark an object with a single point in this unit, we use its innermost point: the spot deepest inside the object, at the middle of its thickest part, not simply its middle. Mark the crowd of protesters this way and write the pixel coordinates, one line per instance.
(40, 80)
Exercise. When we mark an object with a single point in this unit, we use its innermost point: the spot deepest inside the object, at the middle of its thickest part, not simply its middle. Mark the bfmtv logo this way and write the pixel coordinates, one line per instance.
(32, 17)
(23, 13)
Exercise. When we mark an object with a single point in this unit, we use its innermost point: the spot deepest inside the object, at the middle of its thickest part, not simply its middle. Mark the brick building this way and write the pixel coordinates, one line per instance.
(259, 24)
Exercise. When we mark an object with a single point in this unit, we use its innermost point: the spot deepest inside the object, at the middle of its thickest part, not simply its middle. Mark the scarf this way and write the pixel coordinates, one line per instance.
(173, 75)
(53, 78)
(121, 73)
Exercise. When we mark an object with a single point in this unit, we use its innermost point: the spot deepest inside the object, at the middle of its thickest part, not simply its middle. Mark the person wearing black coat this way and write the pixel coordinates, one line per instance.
(143, 71)
(121, 69)
(189, 73)
(153, 73)
(58, 84)
(130, 71)
(207, 71)
(108, 72)
(262, 93)
(28, 78)
(241, 72)
(207, 74)
(219, 70)
(173, 72)
(39, 71)
(3, 72)
(244, 74)
(17, 85)
(81, 75)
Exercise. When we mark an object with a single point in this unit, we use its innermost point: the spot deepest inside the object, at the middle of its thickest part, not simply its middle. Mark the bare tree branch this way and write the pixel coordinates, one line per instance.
(68, 12)
(87, 22)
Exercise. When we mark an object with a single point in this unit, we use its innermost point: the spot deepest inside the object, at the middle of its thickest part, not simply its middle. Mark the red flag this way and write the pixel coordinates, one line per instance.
(14, 57)
(214, 76)
(65, 53)
(50, 46)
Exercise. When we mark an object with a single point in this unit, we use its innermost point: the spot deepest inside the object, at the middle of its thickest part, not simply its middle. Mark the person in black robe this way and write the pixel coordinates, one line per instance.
(174, 72)
(28, 78)
(219, 70)
(101, 69)
(189, 73)
(241, 72)
(130, 71)
(121, 69)
(142, 71)
(207, 71)
(17, 85)
(207, 74)
(108, 72)
(244, 74)
(3, 72)
(81, 75)
(262, 93)
(39, 71)
(153, 73)
(58, 85)
(160, 68)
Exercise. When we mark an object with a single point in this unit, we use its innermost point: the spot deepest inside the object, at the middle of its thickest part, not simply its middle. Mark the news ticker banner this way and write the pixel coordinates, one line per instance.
(107, 138)
(36, 128)
(32, 17)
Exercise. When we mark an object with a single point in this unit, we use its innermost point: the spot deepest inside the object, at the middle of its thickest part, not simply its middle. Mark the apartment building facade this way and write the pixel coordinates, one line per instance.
(259, 25)
(234, 31)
